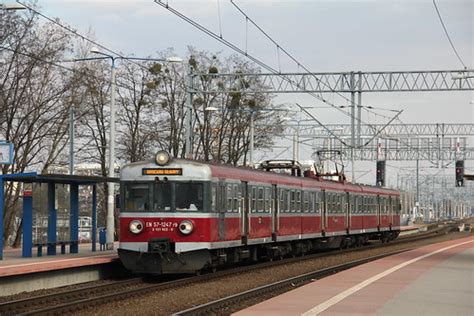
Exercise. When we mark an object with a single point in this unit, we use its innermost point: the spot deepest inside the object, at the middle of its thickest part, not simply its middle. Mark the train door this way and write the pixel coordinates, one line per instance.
(222, 209)
(245, 211)
(323, 211)
(377, 210)
(274, 210)
(390, 211)
(347, 211)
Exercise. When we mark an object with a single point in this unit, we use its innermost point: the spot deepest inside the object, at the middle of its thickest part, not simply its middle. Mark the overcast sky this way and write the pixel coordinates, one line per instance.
(324, 35)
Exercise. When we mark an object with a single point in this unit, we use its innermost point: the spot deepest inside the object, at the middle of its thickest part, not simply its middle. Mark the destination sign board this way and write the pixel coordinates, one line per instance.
(162, 171)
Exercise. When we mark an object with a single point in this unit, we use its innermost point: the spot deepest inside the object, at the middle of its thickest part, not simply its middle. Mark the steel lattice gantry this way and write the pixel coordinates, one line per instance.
(346, 82)
(357, 83)
(438, 142)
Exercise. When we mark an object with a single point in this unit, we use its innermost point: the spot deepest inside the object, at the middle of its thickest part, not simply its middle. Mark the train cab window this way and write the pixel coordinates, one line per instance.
(137, 197)
(162, 196)
(189, 196)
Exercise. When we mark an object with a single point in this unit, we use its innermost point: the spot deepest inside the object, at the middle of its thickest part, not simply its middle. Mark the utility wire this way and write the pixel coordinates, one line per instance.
(252, 58)
(76, 33)
(447, 35)
(290, 55)
(55, 64)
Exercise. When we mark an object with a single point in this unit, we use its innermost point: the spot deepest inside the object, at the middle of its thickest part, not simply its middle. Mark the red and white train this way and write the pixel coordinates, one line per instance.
(182, 216)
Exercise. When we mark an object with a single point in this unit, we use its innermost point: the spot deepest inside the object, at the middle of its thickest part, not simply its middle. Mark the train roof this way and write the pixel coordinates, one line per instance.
(199, 170)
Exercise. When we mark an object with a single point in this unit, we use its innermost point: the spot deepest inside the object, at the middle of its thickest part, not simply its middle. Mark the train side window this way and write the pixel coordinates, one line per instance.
(214, 197)
(260, 198)
(281, 207)
(312, 202)
(268, 200)
(306, 201)
(298, 201)
(236, 198)
(253, 205)
(230, 198)
(293, 201)
(320, 202)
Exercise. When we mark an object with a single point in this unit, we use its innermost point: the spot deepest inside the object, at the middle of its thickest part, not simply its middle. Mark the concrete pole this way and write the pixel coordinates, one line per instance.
(189, 113)
(111, 188)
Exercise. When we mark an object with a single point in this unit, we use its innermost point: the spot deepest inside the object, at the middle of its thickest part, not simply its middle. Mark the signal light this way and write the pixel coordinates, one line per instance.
(380, 175)
(459, 173)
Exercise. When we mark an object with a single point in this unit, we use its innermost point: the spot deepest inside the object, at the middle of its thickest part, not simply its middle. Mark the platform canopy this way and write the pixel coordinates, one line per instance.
(74, 181)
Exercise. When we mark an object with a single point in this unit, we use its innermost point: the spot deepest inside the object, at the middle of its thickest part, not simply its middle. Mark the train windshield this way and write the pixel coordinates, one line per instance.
(137, 197)
(163, 197)
(189, 197)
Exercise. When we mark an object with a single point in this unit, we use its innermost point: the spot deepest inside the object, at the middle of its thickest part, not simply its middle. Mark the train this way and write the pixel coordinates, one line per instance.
(186, 216)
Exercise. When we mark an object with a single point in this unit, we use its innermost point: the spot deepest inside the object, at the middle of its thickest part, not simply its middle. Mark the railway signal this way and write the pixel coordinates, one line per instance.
(380, 176)
(459, 173)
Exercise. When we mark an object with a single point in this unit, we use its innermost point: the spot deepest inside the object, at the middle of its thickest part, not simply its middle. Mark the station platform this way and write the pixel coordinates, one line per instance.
(19, 274)
(14, 264)
(432, 280)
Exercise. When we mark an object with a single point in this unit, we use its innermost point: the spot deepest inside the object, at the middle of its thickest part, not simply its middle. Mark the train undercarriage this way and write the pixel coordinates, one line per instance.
(162, 259)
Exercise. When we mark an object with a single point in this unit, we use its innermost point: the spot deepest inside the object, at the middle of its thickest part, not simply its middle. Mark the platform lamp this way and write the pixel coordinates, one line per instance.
(111, 187)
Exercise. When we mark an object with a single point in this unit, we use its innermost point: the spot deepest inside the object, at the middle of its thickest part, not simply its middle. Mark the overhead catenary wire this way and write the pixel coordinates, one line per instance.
(299, 64)
(257, 61)
(76, 33)
(63, 67)
(447, 35)
(252, 58)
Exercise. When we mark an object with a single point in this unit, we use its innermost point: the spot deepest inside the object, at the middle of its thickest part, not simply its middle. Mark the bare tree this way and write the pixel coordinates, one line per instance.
(33, 92)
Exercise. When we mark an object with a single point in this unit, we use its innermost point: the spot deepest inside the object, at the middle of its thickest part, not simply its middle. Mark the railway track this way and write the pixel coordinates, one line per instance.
(86, 297)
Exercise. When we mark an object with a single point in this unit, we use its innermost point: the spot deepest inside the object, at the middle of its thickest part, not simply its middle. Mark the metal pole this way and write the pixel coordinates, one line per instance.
(251, 139)
(359, 109)
(71, 140)
(359, 118)
(189, 113)
(111, 189)
(352, 124)
(417, 204)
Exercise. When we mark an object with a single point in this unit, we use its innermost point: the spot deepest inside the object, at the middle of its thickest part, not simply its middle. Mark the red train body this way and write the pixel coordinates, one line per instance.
(184, 216)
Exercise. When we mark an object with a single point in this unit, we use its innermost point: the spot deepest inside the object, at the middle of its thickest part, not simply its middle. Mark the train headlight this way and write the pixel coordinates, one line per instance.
(135, 226)
(162, 157)
(186, 227)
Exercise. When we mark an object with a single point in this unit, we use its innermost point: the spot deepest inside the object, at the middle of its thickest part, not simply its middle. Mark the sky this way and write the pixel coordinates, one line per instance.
(323, 35)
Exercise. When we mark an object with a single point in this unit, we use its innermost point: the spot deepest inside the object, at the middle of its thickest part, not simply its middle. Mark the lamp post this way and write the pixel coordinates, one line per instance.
(111, 187)
(189, 112)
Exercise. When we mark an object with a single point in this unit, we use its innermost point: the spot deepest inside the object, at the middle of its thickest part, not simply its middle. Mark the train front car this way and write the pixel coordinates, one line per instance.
(165, 220)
